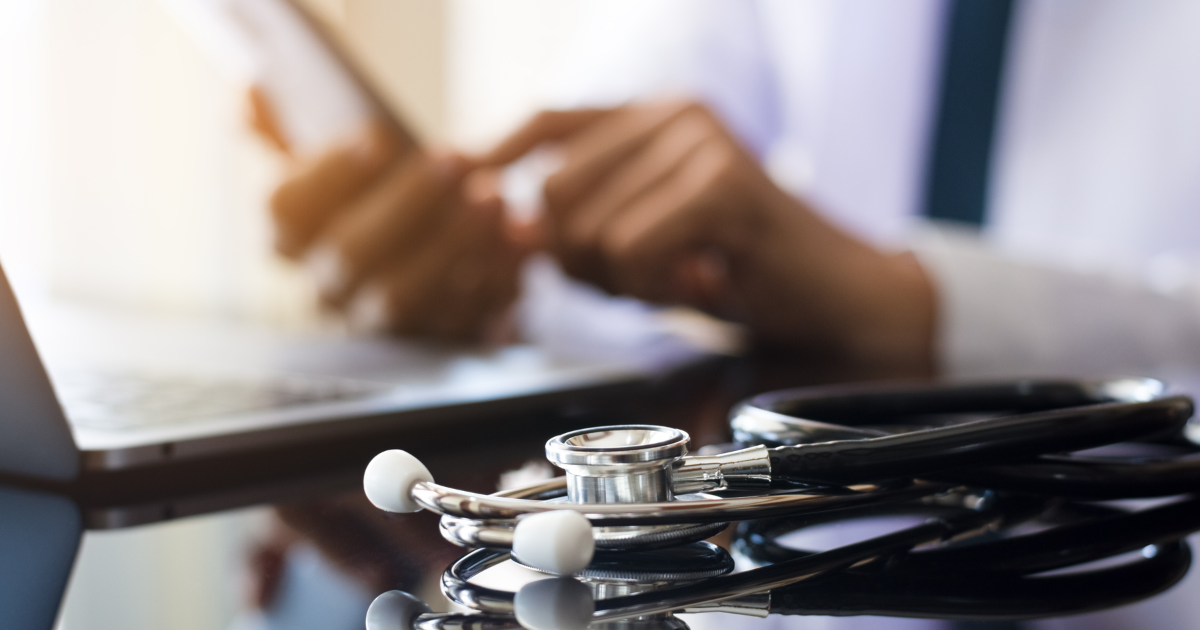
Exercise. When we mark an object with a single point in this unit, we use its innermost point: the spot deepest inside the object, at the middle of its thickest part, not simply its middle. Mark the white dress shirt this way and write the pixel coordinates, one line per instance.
(1090, 261)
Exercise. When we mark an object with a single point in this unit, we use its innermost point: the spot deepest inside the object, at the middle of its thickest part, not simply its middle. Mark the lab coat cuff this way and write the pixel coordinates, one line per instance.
(987, 323)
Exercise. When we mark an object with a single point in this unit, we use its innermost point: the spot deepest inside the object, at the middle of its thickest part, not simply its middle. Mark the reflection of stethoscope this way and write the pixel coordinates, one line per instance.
(633, 486)
(1001, 579)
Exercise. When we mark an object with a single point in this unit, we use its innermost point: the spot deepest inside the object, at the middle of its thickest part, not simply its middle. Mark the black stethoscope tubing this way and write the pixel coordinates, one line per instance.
(1094, 533)
(1111, 532)
(995, 579)
(978, 443)
(1027, 419)
(1089, 478)
(757, 539)
(987, 596)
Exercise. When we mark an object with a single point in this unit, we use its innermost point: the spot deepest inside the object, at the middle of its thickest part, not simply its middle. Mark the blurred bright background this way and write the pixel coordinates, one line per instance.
(128, 176)
(129, 179)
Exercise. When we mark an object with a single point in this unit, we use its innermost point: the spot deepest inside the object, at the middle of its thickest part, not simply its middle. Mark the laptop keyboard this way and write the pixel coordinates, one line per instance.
(128, 399)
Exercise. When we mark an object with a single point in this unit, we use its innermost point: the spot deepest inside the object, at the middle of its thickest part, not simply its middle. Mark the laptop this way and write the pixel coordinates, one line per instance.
(111, 390)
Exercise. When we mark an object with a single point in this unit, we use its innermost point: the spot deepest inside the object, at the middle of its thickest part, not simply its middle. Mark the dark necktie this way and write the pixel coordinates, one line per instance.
(956, 184)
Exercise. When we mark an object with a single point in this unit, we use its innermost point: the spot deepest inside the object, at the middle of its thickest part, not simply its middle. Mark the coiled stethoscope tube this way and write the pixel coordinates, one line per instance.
(1076, 534)
(631, 475)
(856, 411)
(1004, 578)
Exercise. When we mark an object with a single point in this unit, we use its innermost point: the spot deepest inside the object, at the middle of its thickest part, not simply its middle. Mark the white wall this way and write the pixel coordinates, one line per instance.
(24, 233)
(127, 176)
(502, 56)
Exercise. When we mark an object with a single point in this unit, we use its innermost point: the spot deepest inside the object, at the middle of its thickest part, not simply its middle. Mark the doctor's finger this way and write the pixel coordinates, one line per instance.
(545, 126)
(318, 190)
(469, 314)
(576, 237)
(440, 279)
(590, 156)
(456, 273)
(388, 224)
(263, 121)
(481, 281)
(674, 223)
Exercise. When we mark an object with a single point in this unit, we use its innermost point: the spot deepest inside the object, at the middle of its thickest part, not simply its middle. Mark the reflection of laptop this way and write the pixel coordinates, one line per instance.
(140, 390)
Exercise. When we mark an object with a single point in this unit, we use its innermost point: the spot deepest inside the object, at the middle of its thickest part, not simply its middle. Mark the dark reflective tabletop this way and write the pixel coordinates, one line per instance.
(288, 540)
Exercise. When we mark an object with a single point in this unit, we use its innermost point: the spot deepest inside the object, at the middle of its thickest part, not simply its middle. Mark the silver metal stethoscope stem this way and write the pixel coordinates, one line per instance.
(458, 503)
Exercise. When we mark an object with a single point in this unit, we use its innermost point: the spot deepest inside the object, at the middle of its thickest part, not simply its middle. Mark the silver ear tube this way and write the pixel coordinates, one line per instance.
(639, 475)
(458, 503)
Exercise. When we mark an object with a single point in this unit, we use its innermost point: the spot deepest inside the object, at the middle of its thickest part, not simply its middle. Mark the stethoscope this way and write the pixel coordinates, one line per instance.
(632, 487)
(894, 574)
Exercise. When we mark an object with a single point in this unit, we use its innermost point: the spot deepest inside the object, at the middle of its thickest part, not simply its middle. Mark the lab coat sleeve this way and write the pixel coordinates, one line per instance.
(1001, 315)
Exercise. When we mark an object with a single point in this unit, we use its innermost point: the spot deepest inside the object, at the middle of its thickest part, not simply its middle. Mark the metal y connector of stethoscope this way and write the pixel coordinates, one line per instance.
(634, 486)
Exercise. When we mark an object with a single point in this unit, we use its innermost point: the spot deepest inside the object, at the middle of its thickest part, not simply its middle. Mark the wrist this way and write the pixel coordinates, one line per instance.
(823, 291)
(896, 331)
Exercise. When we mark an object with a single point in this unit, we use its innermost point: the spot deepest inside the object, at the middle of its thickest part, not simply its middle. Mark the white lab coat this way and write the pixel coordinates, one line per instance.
(1090, 262)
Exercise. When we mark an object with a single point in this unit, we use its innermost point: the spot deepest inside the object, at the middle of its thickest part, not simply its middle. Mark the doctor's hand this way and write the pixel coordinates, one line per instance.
(399, 239)
(660, 202)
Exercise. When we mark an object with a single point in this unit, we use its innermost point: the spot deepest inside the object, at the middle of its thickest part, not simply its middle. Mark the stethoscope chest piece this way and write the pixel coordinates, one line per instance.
(627, 464)
(618, 464)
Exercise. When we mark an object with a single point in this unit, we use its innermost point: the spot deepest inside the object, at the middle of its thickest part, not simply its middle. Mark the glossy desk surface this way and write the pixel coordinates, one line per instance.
(297, 546)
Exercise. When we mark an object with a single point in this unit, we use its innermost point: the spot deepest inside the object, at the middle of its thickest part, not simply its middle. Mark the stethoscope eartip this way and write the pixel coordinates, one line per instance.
(389, 480)
(394, 610)
(558, 542)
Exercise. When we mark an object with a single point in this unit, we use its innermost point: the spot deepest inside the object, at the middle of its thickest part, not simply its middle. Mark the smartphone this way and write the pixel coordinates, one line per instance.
(315, 93)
